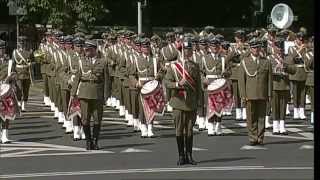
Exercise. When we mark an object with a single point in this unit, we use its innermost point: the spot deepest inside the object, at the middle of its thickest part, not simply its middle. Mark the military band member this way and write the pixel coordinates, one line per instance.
(255, 90)
(89, 88)
(270, 40)
(309, 67)
(76, 55)
(21, 64)
(43, 60)
(281, 68)
(65, 59)
(183, 79)
(213, 66)
(143, 71)
(4, 59)
(110, 57)
(169, 53)
(239, 49)
(296, 53)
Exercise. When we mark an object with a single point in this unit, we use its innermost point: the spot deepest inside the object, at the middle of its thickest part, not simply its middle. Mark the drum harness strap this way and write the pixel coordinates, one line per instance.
(21, 57)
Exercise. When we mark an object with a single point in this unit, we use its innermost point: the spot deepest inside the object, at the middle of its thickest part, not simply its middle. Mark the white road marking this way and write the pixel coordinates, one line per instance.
(307, 134)
(199, 149)
(247, 147)
(307, 147)
(154, 170)
(294, 130)
(130, 150)
(225, 130)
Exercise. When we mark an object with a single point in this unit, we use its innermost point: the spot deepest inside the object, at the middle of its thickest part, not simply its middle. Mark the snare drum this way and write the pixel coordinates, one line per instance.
(153, 99)
(219, 97)
(8, 103)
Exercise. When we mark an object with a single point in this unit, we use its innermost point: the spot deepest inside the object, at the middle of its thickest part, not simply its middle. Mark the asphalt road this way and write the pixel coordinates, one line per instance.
(41, 150)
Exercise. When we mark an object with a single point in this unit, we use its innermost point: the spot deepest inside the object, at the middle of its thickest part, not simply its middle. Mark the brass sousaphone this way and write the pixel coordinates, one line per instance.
(282, 16)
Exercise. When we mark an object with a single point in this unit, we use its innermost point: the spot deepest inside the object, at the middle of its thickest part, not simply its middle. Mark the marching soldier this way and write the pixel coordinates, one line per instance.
(270, 40)
(143, 71)
(239, 49)
(255, 90)
(203, 52)
(213, 67)
(169, 53)
(183, 79)
(5, 77)
(65, 59)
(43, 60)
(309, 66)
(296, 53)
(21, 64)
(89, 88)
(75, 56)
(281, 69)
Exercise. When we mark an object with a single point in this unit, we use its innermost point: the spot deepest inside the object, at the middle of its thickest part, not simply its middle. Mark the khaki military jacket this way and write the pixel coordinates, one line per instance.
(90, 79)
(309, 67)
(298, 59)
(255, 78)
(22, 63)
(184, 98)
(281, 68)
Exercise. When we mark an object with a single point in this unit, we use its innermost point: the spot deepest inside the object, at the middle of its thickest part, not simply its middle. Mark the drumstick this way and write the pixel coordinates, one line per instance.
(182, 54)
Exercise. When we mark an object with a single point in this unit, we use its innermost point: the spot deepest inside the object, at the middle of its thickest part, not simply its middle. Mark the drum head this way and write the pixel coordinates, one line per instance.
(4, 88)
(216, 84)
(149, 87)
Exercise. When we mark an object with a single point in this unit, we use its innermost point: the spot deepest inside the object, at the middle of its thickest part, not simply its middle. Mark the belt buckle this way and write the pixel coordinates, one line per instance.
(91, 80)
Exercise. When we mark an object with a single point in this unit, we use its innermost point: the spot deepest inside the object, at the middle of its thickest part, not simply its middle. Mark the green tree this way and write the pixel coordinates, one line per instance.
(63, 14)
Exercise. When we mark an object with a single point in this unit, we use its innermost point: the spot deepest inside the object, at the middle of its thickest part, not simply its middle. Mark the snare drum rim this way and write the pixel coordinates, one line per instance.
(145, 94)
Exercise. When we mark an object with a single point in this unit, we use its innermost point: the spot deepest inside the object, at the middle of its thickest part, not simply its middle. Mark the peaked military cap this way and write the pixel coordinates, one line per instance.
(68, 39)
(213, 40)
(254, 43)
(145, 42)
(239, 33)
(169, 35)
(90, 44)
(78, 41)
(187, 41)
(203, 40)
(155, 38)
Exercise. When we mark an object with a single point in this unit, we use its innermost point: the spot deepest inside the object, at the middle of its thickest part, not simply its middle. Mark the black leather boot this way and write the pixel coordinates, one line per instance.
(96, 131)
(189, 144)
(180, 143)
(87, 132)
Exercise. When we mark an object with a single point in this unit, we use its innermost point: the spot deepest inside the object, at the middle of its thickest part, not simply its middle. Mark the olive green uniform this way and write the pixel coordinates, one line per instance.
(256, 88)
(281, 86)
(309, 66)
(299, 78)
(184, 101)
(89, 88)
(22, 63)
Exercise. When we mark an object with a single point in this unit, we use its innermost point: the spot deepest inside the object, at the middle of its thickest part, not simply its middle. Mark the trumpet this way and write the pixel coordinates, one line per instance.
(39, 56)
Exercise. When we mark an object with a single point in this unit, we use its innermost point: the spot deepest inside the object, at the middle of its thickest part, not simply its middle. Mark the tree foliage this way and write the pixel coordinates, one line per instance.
(64, 14)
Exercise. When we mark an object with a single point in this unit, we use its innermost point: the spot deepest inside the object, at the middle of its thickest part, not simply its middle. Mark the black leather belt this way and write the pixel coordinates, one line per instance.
(91, 81)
